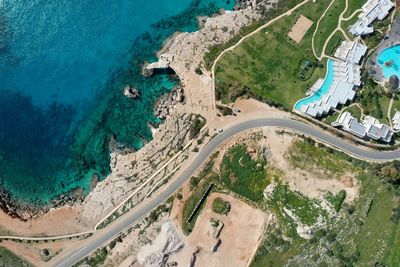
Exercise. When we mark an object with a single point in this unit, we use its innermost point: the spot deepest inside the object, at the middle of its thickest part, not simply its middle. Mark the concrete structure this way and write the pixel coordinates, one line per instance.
(348, 72)
(370, 127)
(371, 11)
(340, 93)
(396, 121)
(346, 77)
(351, 51)
(350, 124)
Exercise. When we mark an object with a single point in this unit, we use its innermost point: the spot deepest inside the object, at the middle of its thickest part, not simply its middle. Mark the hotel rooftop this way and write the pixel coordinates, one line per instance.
(351, 52)
(346, 76)
(370, 127)
(371, 11)
(396, 121)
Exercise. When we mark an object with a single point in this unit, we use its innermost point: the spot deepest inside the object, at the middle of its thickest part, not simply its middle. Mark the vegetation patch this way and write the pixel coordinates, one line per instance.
(336, 200)
(7, 258)
(305, 69)
(304, 155)
(196, 201)
(221, 206)
(305, 209)
(363, 233)
(243, 175)
(196, 126)
(369, 98)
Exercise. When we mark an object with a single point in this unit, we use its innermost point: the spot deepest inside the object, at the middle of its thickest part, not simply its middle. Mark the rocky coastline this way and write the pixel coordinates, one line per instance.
(167, 102)
(25, 211)
(180, 45)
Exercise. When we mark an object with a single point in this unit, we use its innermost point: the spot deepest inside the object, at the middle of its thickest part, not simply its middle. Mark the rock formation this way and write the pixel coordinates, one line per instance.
(167, 242)
(166, 103)
(131, 92)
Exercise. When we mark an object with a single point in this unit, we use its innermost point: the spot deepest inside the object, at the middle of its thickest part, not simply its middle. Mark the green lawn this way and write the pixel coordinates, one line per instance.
(334, 43)
(331, 118)
(355, 111)
(264, 66)
(327, 24)
(353, 5)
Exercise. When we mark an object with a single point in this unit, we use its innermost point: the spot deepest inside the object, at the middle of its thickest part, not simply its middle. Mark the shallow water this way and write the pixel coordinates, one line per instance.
(63, 65)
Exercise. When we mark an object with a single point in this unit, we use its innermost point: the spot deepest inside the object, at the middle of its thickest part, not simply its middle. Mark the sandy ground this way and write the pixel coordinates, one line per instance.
(58, 221)
(307, 183)
(243, 228)
(33, 252)
(300, 28)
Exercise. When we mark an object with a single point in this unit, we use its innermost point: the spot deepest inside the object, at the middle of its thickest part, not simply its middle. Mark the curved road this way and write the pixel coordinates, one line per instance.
(119, 226)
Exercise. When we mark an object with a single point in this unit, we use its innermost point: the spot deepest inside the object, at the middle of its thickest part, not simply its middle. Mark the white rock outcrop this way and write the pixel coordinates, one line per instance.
(156, 254)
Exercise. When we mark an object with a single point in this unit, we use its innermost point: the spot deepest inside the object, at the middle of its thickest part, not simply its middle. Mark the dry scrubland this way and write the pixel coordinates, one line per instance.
(354, 221)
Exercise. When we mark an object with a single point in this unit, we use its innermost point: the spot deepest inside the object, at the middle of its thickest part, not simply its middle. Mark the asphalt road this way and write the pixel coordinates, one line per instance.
(114, 229)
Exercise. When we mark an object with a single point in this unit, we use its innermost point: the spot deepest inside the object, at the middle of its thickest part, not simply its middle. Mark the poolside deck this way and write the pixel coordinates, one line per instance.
(390, 40)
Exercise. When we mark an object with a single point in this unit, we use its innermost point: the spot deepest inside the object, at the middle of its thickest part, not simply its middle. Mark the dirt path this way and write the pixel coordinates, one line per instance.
(338, 28)
(389, 111)
(316, 30)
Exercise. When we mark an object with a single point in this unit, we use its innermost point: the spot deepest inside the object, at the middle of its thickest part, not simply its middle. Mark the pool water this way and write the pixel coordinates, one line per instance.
(391, 54)
(323, 90)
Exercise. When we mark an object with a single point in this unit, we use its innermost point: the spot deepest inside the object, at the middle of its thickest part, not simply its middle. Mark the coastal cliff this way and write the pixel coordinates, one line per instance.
(184, 53)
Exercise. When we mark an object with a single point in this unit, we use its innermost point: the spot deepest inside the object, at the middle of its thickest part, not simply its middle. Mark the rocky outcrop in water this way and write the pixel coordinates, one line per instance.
(131, 92)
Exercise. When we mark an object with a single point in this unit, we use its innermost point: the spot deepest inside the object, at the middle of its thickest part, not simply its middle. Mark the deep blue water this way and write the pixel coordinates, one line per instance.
(63, 65)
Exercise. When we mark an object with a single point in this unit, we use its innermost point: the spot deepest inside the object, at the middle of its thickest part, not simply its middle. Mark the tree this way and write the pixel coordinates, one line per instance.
(394, 83)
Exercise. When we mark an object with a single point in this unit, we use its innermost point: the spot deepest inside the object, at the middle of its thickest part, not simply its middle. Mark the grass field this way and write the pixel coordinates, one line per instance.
(353, 5)
(334, 43)
(355, 111)
(327, 25)
(264, 66)
(7, 258)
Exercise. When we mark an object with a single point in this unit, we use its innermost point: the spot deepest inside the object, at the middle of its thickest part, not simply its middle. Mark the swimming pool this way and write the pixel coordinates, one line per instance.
(323, 90)
(391, 54)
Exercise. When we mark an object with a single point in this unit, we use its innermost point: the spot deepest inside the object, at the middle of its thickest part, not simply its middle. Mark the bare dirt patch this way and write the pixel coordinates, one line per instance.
(239, 236)
(300, 28)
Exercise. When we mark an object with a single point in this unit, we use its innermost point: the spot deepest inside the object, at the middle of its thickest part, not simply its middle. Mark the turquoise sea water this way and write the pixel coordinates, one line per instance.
(322, 91)
(390, 54)
(63, 65)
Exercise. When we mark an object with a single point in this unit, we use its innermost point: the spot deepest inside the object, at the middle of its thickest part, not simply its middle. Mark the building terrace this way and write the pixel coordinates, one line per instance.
(371, 11)
(369, 128)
